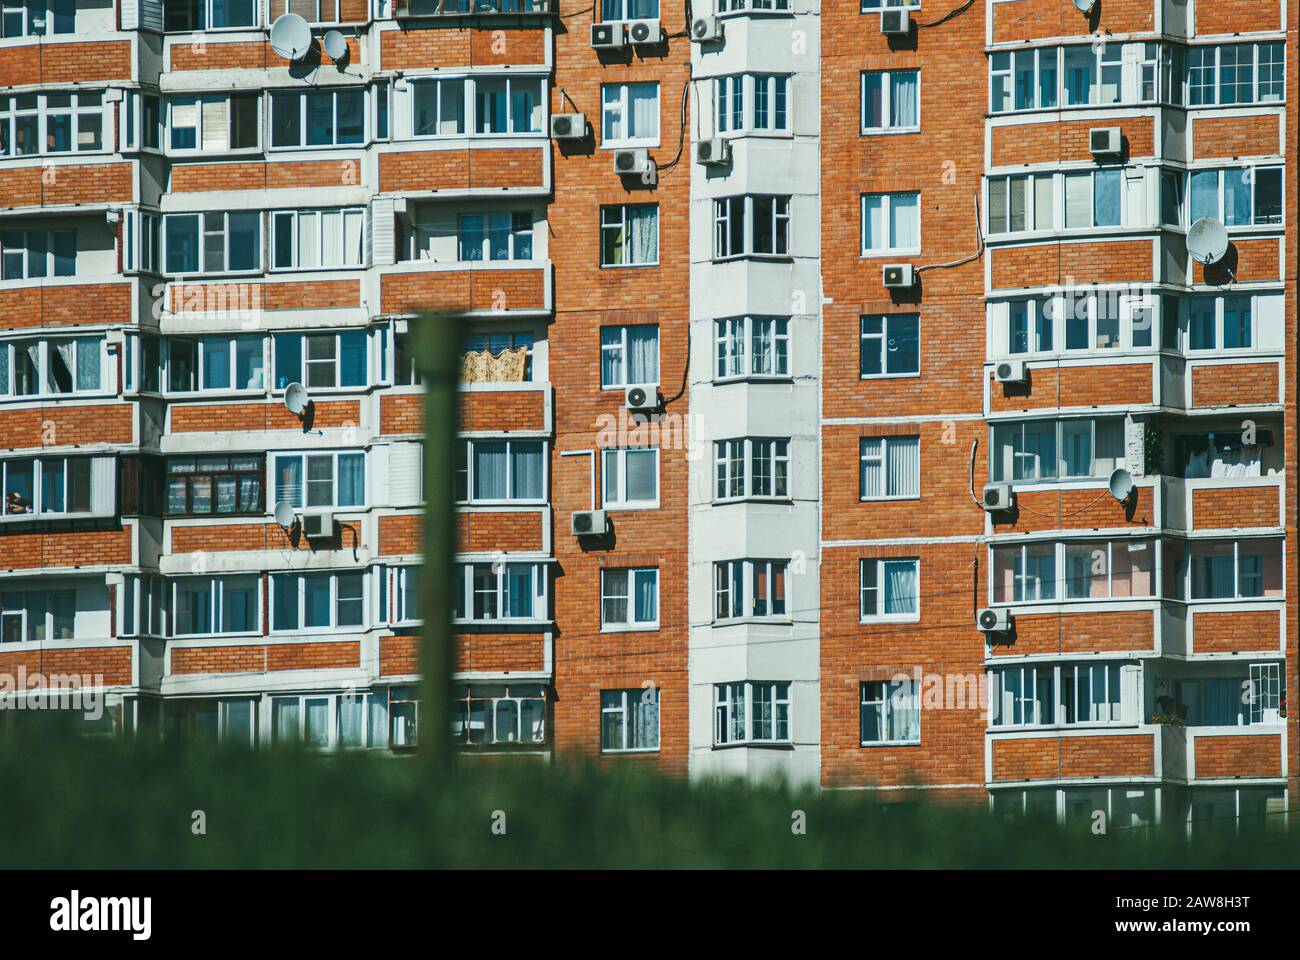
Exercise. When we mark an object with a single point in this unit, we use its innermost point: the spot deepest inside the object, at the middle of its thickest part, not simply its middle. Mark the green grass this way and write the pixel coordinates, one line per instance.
(71, 802)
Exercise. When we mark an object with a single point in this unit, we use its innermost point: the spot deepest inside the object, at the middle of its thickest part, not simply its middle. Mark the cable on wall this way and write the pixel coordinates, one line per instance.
(951, 14)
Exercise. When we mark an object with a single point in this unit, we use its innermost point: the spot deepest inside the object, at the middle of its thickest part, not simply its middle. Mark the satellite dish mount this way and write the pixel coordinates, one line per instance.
(1121, 485)
(291, 37)
(1207, 241)
(297, 401)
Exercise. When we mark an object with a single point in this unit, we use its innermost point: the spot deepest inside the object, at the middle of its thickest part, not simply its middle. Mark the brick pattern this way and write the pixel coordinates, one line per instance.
(1237, 16)
(477, 290)
(1234, 385)
(1017, 20)
(498, 652)
(67, 184)
(241, 296)
(1233, 137)
(57, 305)
(401, 414)
(53, 62)
(480, 168)
(1113, 631)
(266, 658)
(234, 537)
(1247, 260)
(1234, 631)
(29, 550)
(502, 410)
(1229, 757)
(1071, 385)
(62, 424)
(413, 49)
(260, 175)
(1062, 758)
(1066, 141)
(266, 415)
(399, 534)
(113, 664)
(1080, 263)
(1228, 508)
(482, 530)
(1075, 510)
(399, 656)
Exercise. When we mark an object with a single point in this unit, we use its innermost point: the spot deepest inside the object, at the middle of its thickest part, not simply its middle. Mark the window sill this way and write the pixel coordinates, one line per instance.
(881, 254)
(754, 378)
(760, 744)
(889, 376)
(889, 743)
(755, 257)
(909, 618)
(630, 751)
(634, 628)
(779, 621)
(889, 499)
(620, 266)
(887, 131)
(630, 145)
(778, 501)
(630, 508)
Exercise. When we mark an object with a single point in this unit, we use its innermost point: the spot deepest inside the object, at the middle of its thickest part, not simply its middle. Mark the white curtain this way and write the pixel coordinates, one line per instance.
(643, 233)
(288, 480)
(905, 215)
(643, 105)
(904, 712)
(904, 99)
(900, 587)
(526, 470)
(647, 596)
(904, 467)
(88, 364)
(490, 470)
(611, 355)
(873, 223)
(643, 354)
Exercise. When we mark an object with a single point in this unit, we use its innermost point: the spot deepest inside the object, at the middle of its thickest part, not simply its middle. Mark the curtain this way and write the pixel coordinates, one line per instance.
(526, 470)
(904, 712)
(643, 720)
(904, 99)
(643, 229)
(647, 596)
(490, 470)
(643, 354)
(216, 363)
(643, 106)
(288, 480)
(613, 599)
(351, 721)
(352, 484)
(873, 101)
(1106, 198)
(873, 223)
(1205, 194)
(471, 237)
(904, 210)
(88, 364)
(900, 587)
(904, 467)
(1222, 699)
(519, 590)
(62, 361)
(611, 356)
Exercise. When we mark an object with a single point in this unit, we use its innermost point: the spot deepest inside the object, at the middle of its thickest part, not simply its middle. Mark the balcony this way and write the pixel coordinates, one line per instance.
(1198, 755)
(421, 9)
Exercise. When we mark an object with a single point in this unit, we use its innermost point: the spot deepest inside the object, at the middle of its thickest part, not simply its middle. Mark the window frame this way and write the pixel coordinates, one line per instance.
(295, 218)
(621, 229)
(273, 459)
(11, 114)
(888, 693)
(620, 455)
(725, 705)
(879, 568)
(886, 102)
(465, 609)
(465, 467)
(735, 354)
(887, 219)
(724, 214)
(257, 471)
(631, 624)
(623, 113)
(739, 580)
(887, 444)
(623, 709)
(300, 579)
(9, 353)
(303, 119)
(751, 453)
(887, 321)
(216, 590)
(625, 362)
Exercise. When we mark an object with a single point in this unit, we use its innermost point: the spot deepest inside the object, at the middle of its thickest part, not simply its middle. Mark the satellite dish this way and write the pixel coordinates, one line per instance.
(291, 36)
(284, 514)
(1121, 484)
(296, 399)
(335, 44)
(1207, 241)
(1085, 6)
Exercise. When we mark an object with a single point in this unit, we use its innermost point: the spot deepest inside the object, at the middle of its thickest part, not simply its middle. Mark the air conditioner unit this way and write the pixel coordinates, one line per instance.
(1011, 371)
(1105, 141)
(629, 163)
(568, 126)
(998, 497)
(994, 620)
(588, 523)
(640, 399)
(644, 32)
(706, 29)
(898, 276)
(896, 22)
(318, 526)
(715, 152)
(608, 36)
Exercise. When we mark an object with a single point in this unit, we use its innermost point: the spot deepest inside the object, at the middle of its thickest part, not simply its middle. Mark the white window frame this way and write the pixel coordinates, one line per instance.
(879, 567)
(1024, 580)
(10, 113)
(1249, 174)
(622, 349)
(216, 600)
(201, 235)
(1186, 585)
(468, 446)
(887, 445)
(302, 96)
(747, 574)
(622, 710)
(772, 451)
(493, 695)
(887, 205)
(737, 340)
(42, 465)
(273, 488)
(749, 88)
(724, 209)
(890, 691)
(883, 339)
(633, 574)
(776, 694)
(1026, 455)
(1216, 68)
(622, 114)
(299, 578)
(9, 350)
(42, 248)
(614, 217)
(201, 346)
(501, 568)
(619, 456)
(886, 102)
(323, 8)
(322, 217)
(201, 103)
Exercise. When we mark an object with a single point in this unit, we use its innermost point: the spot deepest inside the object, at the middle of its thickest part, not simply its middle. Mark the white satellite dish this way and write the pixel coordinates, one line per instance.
(1085, 6)
(335, 44)
(291, 36)
(284, 514)
(1121, 484)
(1207, 241)
(296, 399)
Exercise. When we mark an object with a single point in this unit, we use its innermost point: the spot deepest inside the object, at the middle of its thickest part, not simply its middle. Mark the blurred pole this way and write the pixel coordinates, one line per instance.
(437, 344)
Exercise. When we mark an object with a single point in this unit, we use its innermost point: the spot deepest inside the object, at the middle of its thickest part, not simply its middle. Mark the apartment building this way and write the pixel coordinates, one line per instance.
(844, 399)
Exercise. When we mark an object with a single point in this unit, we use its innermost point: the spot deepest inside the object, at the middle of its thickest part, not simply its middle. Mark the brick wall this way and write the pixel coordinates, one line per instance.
(1235, 631)
(1229, 757)
(1234, 384)
(1052, 758)
(1227, 508)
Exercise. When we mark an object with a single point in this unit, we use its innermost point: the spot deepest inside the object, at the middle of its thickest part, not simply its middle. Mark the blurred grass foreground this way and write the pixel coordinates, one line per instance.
(143, 803)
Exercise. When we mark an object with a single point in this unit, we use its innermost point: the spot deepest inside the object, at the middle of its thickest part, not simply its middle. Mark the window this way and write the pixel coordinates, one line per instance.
(30, 254)
(1235, 73)
(439, 107)
(890, 590)
(891, 223)
(1220, 323)
(756, 102)
(494, 345)
(753, 225)
(51, 367)
(37, 615)
(398, 590)
(629, 114)
(189, 15)
(39, 486)
(1021, 203)
(497, 591)
(890, 712)
(629, 720)
(1067, 695)
(223, 721)
(751, 467)
(631, 478)
(1029, 325)
(212, 242)
(501, 471)
(507, 105)
(317, 601)
(1050, 449)
(318, 118)
(751, 712)
(493, 714)
(501, 235)
(761, 6)
(1238, 196)
(205, 606)
(753, 347)
(215, 364)
(347, 720)
(891, 101)
(317, 239)
(891, 345)
(1093, 199)
(890, 468)
(321, 359)
(213, 123)
(869, 5)
(321, 479)
(629, 355)
(1091, 570)
(1227, 570)
(34, 18)
(47, 123)
(1024, 80)
(749, 589)
(313, 11)
(203, 486)
(629, 235)
(629, 10)
(629, 599)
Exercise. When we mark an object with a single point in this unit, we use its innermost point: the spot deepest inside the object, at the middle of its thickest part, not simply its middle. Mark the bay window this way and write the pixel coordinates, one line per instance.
(629, 599)
(500, 235)
(889, 468)
(206, 606)
(52, 366)
(317, 601)
(500, 471)
(754, 225)
(496, 714)
(890, 712)
(500, 591)
(752, 346)
(631, 478)
(1057, 449)
(889, 590)
(629, 720)
(321, 479)
(317, 239)
(750, 589)
(756, 102)
(318, 118)
(629, 355)
(326, 359)
(751, 467)
(211, 242)
(47, 123)
(31, 254)
(629, 235)
(207, 486)
(751, 712)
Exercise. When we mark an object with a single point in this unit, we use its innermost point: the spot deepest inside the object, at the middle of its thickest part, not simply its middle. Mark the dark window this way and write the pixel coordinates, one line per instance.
(203, 486)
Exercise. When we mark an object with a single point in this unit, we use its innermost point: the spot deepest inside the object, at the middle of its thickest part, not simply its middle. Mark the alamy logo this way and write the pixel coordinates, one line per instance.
(98, 914)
